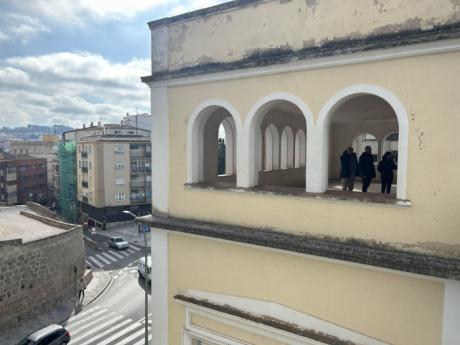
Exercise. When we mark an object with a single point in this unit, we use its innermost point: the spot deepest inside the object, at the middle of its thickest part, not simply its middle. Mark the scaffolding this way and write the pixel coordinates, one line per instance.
(67, 206)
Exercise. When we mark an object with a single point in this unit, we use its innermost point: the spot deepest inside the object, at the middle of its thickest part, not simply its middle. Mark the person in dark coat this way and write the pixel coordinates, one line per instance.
(348, 169)
(385, 168)
(366, 167)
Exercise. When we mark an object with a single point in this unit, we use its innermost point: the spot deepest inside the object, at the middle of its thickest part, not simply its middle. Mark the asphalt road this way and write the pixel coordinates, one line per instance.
(117, 317)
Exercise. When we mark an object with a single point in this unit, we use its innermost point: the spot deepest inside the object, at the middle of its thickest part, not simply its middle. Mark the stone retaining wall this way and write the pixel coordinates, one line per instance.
(37, 275)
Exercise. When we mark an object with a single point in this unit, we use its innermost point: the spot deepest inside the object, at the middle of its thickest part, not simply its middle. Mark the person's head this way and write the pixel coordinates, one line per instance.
(388, 155)
(349, 150)
(368, 149)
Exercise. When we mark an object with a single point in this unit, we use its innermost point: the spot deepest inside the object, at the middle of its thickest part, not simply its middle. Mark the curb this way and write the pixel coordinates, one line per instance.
(102, 291)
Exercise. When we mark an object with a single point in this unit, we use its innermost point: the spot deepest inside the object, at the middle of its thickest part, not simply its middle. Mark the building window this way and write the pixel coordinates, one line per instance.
(118, 150)
(119, 165)
(120, 181)
(120, 197)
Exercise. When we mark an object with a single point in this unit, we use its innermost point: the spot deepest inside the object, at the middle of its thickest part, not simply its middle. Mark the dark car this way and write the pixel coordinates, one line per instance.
(51, 335)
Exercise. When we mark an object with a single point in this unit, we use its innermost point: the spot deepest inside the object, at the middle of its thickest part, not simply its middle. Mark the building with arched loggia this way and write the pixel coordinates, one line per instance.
(254, 240)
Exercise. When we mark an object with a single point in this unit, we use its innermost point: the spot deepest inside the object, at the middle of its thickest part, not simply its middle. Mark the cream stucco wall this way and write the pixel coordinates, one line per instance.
(428, 88)
(394, 308)
(234, 34)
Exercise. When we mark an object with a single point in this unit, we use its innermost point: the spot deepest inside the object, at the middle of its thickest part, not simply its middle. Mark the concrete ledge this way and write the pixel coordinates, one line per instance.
(48, 221)
(366, 252)
(40, 209)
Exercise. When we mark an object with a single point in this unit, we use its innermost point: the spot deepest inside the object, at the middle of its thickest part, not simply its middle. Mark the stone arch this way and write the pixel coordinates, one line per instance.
(299, 149)
(272, 148)
(196, 127)
(323, 129)
(248, 173)
(287, 148)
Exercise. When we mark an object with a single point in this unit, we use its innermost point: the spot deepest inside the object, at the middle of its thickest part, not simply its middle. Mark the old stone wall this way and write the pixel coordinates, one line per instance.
(37, 275)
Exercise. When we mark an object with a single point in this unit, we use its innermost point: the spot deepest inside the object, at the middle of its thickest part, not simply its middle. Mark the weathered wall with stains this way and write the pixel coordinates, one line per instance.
(280, 30)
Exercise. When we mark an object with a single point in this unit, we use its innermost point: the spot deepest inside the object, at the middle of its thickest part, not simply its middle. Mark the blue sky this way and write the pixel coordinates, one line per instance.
(75, 61)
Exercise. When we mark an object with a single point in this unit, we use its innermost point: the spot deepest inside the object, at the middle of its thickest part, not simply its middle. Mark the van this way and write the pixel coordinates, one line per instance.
(143, 269)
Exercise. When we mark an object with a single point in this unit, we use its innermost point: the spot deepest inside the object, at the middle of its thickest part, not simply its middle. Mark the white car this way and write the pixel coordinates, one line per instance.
(118, 243)
(143, 269)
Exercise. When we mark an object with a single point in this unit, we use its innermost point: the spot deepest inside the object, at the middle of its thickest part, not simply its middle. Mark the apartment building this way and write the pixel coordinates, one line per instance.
(46, 148)
(113, 175)
(273, 251)
(8, 180)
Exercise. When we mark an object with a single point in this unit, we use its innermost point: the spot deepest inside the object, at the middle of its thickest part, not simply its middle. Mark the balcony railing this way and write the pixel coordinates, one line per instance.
(84, 169)
(84, 154)
(11, 177)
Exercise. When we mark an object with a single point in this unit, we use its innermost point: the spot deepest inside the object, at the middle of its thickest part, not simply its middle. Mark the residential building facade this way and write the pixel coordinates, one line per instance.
(113, 175)
(46, 148)
(32, 179)
(8, 180)
(273, 251)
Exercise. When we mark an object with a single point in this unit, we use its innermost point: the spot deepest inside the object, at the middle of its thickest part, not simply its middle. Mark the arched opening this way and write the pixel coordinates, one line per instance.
(212, 141)
(278, 150)
(299, 149)
(390, 143)
(272, 148)
(358, 122)
(287, 149)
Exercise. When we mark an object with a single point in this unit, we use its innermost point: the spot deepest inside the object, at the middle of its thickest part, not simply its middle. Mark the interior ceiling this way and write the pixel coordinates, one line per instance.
(285, 107)
(364, 108)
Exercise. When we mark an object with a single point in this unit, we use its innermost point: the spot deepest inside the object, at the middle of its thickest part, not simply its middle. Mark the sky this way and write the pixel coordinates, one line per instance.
(75, 61)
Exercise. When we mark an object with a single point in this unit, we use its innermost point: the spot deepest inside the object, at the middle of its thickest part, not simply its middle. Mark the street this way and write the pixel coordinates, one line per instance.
(117, 317)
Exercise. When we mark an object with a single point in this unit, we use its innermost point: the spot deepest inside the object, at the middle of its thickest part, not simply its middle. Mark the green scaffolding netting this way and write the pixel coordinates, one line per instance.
(67, 205)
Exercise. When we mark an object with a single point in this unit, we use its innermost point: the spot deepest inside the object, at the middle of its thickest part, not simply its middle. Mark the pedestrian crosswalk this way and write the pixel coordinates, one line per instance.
(103, 327)
(108, 257)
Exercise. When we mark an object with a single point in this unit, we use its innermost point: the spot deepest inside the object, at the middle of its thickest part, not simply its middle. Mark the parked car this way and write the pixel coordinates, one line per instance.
(51, 335)
(143, 269)
(118, 243)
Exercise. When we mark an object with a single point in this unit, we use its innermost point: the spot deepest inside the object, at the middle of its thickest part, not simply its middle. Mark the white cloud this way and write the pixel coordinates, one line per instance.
(72, 87)
(20, 27)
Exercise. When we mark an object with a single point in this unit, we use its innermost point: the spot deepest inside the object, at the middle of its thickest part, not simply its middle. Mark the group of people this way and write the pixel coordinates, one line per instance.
(350, 167)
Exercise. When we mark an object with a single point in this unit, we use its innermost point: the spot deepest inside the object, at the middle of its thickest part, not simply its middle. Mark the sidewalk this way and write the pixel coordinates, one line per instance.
(61, 312)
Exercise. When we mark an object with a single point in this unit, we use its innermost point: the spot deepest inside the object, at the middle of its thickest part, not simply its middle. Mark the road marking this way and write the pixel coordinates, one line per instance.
(96, 262)
(93, 339)
(119, 334)
(79, 315)
(124, 253)
(100, 257)
(116, 254)
(91, 323)
(95, 329)
(142, 341)
(131, 337)
(134, 247)
(110, 257)
(72, 324)
(130, 251)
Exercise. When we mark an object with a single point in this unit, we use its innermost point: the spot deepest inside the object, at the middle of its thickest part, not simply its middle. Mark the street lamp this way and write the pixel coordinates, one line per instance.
(146, 280)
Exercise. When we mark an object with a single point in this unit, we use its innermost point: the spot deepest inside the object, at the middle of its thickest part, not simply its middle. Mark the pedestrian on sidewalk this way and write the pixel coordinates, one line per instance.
(81, 290)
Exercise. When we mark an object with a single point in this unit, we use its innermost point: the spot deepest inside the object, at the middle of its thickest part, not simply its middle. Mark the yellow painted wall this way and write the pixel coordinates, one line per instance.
(233, 332)
(428, 88)
(234, 34)
(399, 310)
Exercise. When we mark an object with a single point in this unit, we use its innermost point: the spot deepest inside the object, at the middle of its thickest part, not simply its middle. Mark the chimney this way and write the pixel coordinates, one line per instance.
(84, 125)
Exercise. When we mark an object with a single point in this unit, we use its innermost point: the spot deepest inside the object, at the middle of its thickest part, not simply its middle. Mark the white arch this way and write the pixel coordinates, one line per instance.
(248, 174)
(299, 149)
(322, 133)
(230, 150)
(195, 135)
(272, 148)
(287, 148)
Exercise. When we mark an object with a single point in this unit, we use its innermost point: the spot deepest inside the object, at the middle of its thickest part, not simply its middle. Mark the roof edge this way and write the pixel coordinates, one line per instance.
(202, 12)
